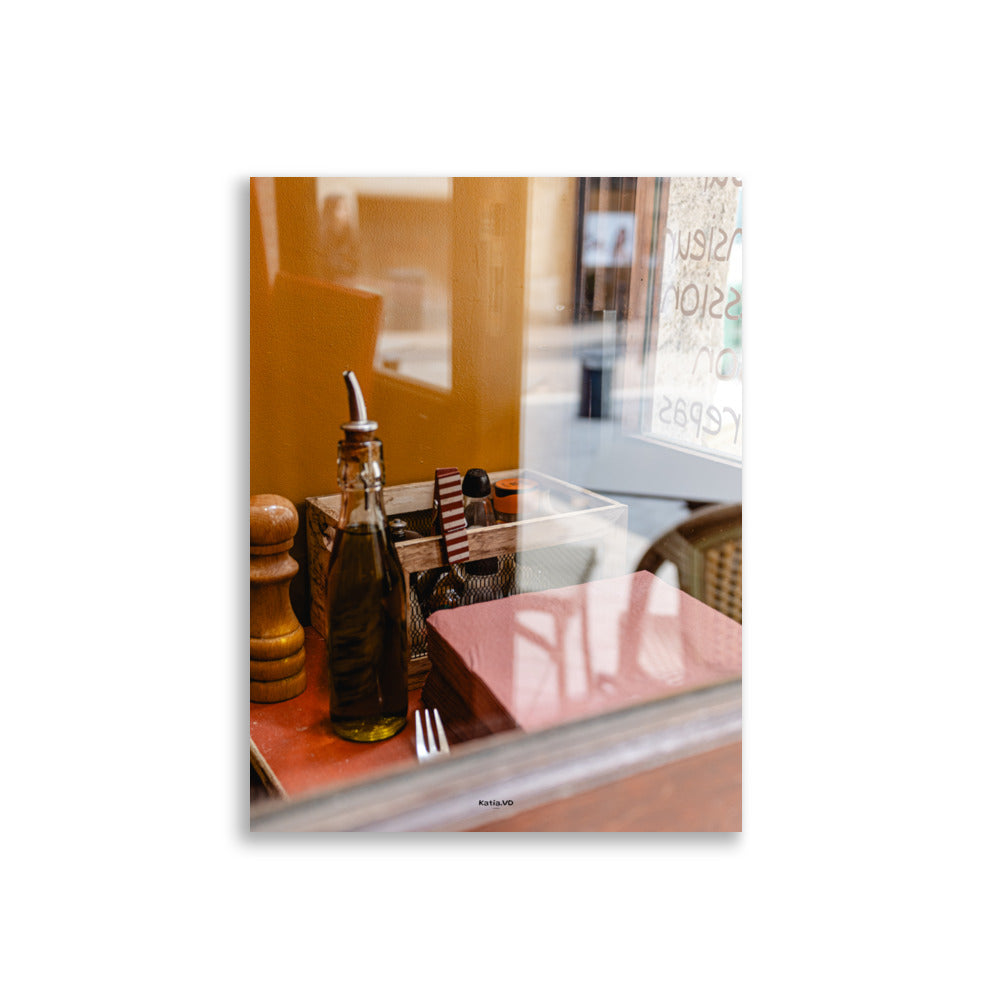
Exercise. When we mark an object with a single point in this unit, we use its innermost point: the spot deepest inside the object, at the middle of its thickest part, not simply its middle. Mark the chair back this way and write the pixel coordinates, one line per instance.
(707, 550)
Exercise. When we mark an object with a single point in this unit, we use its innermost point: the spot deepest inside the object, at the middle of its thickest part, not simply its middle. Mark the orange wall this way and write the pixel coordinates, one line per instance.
(300, 344)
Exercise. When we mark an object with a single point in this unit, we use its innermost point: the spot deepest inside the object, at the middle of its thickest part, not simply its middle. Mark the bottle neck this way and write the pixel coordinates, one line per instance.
(359, 476)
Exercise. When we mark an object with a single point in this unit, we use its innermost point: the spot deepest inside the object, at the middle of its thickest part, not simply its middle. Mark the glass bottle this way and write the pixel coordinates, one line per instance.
(401, 532)
(440, 589)
(481, 574)
(366, 638)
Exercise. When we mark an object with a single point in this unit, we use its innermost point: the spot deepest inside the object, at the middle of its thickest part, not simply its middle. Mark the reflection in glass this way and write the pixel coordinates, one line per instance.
(392, 236)
(538, 324)
(698, 368)
(543, 659)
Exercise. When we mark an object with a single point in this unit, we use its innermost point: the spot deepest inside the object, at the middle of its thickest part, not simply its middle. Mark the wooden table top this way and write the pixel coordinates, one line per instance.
(296, 753)
(294, 749)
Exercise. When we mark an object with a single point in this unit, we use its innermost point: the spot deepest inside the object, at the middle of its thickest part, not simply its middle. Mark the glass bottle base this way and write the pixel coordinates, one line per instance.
(380, 727)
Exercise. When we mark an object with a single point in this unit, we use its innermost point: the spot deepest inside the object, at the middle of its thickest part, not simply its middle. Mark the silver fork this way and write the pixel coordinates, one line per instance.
(428, 749)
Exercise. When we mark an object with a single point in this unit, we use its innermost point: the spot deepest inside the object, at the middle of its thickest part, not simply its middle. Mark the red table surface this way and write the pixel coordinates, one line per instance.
(297, 742)
(686, 643)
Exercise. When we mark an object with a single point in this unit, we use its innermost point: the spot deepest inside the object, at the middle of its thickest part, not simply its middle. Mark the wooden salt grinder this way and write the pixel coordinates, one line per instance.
(277, 640)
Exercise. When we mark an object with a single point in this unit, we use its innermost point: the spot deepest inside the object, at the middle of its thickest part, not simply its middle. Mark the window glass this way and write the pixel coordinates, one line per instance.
(697, 367)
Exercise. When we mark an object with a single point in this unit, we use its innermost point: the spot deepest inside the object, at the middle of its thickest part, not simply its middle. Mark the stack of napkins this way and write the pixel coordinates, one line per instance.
(538, 660)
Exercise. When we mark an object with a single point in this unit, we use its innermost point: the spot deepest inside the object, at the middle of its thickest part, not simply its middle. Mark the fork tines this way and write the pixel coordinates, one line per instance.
(431, 746)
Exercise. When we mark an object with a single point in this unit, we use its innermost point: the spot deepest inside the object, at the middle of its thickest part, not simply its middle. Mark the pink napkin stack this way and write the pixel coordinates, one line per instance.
(538, 660)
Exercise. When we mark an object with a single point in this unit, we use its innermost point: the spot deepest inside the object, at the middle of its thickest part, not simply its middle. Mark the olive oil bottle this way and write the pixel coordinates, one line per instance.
(366, 639)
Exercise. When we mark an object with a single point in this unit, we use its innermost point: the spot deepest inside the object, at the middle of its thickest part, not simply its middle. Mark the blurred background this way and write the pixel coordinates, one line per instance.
(587, 328)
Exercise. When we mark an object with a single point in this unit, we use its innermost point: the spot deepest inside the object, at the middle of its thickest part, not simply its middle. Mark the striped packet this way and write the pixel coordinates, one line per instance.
(448, 497)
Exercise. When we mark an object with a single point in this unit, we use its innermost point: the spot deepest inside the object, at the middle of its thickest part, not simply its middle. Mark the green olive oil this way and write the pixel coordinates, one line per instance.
(366, 636)
(368, 652)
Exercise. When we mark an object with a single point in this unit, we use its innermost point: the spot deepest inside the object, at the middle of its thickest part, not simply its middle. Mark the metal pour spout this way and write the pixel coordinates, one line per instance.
(359, 427)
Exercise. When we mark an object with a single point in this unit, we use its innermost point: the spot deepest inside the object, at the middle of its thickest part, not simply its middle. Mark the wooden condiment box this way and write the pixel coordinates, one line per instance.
(573, 535)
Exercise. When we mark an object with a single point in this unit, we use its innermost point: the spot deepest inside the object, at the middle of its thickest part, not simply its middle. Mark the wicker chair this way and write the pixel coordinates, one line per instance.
(707, 550)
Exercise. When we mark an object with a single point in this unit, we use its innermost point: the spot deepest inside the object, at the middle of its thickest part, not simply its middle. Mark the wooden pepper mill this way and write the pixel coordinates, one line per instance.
(277, 640)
